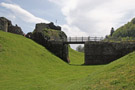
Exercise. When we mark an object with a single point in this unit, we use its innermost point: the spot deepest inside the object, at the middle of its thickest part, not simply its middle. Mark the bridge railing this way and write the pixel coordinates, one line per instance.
(84, 39)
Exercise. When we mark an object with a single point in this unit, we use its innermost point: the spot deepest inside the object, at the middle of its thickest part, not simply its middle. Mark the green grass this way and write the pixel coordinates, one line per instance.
(26, 65)
(118, 75)
(51, 34)
(76, 58)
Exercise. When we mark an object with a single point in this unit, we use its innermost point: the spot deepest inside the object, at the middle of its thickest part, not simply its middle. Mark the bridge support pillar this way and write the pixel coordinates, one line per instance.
(106, 52)
(59, 49)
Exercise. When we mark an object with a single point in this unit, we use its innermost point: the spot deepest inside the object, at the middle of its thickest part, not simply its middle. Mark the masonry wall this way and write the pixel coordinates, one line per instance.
(106, 52)
(41, 26)
(59, 49)
(6, 25)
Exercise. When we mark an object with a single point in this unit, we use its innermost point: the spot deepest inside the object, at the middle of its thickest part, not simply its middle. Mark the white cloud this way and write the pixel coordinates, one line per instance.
(22, 14)
(73, 31)
(95, 17)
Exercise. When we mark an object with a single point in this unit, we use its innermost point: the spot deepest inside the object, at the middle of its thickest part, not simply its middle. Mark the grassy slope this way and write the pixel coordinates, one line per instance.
(25, 65)
(76, 58)
(126, 30)
(118, 75)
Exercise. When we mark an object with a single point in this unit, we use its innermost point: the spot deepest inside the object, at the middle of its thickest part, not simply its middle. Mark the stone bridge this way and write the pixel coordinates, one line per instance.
(99, 51)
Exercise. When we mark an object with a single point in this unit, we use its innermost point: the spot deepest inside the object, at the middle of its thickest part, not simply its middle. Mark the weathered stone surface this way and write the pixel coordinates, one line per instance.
(40, 38)
(106, 52)
(49, 37)
(6, 25)
(52, 26)
(29, 35)
(42, 26)
(15, 29)
(59, 49)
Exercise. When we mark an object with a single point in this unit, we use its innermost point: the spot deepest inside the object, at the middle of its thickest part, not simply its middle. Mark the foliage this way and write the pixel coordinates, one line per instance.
(54, 34)
(80, 48)
(128, 30)
(124, 33)
(112, 31)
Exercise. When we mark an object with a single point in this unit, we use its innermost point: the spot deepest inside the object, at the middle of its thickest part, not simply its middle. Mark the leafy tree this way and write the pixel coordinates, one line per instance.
(112, 31)
(80, 48)
(127, 30)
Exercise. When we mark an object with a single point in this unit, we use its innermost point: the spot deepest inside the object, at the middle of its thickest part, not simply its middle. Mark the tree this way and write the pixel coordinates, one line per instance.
(80, 48)
(112, 31)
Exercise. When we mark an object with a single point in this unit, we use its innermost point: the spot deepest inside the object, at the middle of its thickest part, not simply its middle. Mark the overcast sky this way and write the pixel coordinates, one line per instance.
(76, 17)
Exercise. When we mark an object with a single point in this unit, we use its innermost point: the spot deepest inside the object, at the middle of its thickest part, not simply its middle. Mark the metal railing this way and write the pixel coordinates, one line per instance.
(84, 39)
(80, 40)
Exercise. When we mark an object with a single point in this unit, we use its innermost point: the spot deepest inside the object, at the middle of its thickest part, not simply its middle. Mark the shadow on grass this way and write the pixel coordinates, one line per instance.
(87, 65)
(76, 64)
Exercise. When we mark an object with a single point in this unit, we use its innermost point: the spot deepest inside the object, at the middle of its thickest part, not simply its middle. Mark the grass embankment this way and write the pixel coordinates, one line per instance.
(25, 65)
(118, 75)
(76, 58)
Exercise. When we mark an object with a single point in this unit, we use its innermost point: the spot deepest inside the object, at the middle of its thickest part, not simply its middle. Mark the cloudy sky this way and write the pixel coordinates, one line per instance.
(77, 17)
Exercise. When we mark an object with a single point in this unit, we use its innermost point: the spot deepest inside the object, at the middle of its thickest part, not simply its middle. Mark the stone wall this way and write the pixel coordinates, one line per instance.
(6, 25)
(106, 52)
(15, 29)
(51, 39)
(41, 26)
(59, 49)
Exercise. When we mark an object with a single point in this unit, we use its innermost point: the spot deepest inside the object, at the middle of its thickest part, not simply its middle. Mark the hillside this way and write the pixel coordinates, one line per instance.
(127, 30)
(76, 58)
(26, 65)
(118, 75)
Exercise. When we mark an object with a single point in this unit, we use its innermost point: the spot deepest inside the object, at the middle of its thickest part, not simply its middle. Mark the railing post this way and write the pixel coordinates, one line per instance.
(76, 38)
(69, 39)
(82, 38)
(89, 38)
(95, 38)
(102, 38)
